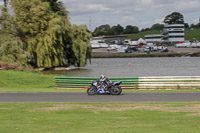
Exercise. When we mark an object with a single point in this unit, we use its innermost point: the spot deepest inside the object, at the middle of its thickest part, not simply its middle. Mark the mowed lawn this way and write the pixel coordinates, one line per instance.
(27, 81)
(22, 81)
(100, 117)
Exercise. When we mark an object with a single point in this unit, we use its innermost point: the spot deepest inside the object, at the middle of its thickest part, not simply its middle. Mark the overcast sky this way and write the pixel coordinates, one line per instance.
(141, 13)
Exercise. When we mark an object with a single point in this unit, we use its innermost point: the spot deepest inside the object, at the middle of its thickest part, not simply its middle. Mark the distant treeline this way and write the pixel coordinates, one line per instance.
(173, 18)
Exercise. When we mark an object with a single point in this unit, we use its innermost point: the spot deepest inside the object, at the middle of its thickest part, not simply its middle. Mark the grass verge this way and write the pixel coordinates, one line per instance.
(23, 81)
(100, 117)
(128, 55)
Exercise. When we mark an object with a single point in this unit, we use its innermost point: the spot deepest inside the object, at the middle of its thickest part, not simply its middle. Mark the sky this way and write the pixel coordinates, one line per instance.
(141, 13)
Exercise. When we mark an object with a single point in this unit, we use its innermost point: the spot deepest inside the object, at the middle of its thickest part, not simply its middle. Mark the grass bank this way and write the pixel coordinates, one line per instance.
(128, 55)
(100, 117)
(24, 81)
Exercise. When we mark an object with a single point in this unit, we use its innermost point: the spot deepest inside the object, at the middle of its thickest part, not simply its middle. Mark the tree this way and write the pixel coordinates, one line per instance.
(157, 26)
(5, 3)
(11, 47)
(131, 29)
(174, 18)
(116, 30)
(102, 30)
(145, 29)
(57, 7)
(186, 25)
(46, 33)
(80, 45)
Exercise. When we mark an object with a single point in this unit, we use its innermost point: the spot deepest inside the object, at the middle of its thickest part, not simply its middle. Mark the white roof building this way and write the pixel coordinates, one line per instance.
(171, 34)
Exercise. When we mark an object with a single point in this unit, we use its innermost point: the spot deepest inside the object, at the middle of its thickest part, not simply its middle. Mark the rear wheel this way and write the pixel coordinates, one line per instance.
(92, 91)
(116, 90)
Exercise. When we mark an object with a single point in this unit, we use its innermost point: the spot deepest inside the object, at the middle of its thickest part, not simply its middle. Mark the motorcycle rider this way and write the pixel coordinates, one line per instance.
(106, 82)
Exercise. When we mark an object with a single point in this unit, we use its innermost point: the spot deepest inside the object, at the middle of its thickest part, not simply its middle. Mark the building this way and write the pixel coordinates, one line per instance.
(171, 34)
(134, 41)
(106, 41)
(153, 38)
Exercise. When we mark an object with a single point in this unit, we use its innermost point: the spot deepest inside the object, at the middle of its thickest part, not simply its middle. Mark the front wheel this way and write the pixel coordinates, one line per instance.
(116, 90)
(92, 91)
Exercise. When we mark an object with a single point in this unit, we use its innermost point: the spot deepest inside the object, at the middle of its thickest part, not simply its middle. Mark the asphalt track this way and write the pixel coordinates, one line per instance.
(83, 97)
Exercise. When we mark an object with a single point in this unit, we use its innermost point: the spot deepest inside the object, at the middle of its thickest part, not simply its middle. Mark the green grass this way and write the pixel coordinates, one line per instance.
(142, 34)
(139, 55)
(190, 34)
(24, 81)
(99, 117)
(12, 80)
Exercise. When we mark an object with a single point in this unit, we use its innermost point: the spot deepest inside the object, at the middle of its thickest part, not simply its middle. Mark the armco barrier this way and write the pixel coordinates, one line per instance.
(161, 82)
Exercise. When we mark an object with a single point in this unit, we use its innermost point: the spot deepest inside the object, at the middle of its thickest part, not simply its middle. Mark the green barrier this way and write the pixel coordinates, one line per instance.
(85, 82)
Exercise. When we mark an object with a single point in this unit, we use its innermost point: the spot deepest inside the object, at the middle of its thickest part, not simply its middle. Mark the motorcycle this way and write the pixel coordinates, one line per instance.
(101, 88)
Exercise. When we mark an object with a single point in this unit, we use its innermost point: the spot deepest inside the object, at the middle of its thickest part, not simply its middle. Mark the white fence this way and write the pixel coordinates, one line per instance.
(169, 82)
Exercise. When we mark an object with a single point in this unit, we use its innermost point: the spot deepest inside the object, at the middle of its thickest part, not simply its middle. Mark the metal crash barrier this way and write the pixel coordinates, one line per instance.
(159, 82)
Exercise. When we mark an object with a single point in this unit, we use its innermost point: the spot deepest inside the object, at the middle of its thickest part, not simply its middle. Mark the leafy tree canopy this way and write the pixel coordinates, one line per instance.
(131, 29)
(40, 31)
(157, 26)
(102, 30)
(174, 18)
(11, 47)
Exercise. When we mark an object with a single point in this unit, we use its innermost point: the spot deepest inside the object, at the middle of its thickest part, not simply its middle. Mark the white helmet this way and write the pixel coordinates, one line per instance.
(102, 76)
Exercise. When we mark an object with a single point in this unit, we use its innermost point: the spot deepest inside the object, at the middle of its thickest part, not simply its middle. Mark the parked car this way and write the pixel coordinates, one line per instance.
(128, 50)
(165, 49)
(146, 49)
(183, 45)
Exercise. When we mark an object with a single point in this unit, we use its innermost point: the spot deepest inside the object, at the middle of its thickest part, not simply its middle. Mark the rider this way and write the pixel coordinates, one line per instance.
(105, 81)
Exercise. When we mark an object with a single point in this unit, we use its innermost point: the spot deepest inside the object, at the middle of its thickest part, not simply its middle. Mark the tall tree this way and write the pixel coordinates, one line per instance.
(43, 32)
(11, 47)
(116, 30)
(5, 3)
(80, 45)
(157, 26)
(46, 33)
(131, 29)
(101, 30)
(174, 18)
(57, 7)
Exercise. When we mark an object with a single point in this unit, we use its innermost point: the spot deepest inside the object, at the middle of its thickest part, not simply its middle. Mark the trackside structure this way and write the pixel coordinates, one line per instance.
(159, 82)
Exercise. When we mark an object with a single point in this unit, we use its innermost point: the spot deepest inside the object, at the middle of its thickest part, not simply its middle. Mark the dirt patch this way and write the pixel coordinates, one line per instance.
(193, 109)
(4, 66)
(5, 108)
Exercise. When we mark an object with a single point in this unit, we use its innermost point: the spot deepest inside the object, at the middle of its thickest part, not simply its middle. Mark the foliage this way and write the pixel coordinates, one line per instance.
(174, 18)
(157, 26)
(42, 32)
(80, 45)
(11, 47)
(102, 30)
(195, 25)
(57, 7)
(131, 29)
(46, 33)
(116, 30)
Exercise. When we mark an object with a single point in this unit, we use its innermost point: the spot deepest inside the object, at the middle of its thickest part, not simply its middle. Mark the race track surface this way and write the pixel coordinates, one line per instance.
(83, 97)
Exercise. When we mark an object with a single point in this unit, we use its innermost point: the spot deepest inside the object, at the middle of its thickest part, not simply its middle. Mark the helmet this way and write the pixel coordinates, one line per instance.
(102, 76)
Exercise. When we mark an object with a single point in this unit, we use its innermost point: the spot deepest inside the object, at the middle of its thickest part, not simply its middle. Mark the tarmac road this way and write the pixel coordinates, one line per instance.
(83, 97)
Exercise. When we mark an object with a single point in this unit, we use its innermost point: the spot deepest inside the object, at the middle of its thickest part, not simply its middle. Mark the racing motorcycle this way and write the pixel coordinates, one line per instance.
(98, 87)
